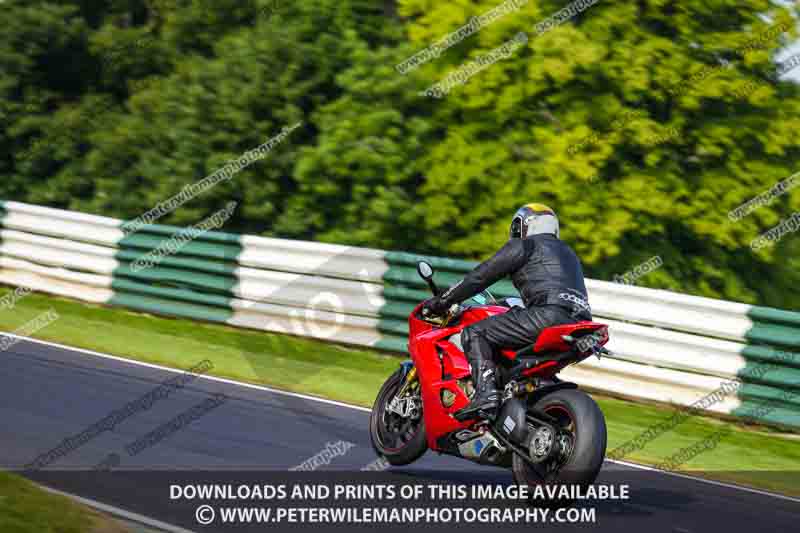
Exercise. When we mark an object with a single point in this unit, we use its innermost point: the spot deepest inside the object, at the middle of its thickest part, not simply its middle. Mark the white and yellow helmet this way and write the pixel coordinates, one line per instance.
(534, 219)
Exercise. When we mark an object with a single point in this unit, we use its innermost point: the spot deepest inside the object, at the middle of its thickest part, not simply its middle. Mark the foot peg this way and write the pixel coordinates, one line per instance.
(485, 411)
(471, 414)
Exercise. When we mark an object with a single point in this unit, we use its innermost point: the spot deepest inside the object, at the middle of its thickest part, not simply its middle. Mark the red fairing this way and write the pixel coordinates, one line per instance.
(425, 344)
(551, 339)
(425, 355)
(441, 364)
(454, 364)
(511, 354)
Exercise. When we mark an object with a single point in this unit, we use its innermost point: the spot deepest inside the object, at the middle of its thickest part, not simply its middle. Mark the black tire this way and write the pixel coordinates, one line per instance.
(412, 447)
(588, 445)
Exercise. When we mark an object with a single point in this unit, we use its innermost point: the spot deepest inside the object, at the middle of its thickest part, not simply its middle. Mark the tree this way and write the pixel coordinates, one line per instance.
(642, 123)
(506, 137)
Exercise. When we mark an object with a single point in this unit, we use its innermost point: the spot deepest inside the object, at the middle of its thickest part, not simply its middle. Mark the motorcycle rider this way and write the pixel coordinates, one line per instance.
(549, 278)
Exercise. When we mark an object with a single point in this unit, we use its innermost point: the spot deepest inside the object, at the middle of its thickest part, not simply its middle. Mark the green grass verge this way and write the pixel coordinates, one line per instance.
(26, 508)
(748, 455)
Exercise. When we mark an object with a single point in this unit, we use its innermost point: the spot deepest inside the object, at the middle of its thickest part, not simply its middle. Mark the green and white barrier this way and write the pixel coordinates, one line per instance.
(668, 347)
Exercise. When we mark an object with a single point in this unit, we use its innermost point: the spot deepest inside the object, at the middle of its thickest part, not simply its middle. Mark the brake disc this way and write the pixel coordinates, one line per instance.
(405, 407)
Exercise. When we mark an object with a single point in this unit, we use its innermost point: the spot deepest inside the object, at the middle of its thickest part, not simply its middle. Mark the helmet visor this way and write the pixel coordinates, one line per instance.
(516, 228)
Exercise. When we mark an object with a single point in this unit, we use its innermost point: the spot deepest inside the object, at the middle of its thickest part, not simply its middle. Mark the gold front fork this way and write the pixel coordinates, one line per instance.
(410, 378)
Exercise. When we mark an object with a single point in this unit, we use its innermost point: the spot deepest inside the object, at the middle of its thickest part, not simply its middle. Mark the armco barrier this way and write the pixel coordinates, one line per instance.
(668, 347)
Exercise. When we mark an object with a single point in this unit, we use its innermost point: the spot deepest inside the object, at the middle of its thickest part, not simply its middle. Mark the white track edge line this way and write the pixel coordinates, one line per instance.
(709, 481)
(359, 408)
(200, 376)
(117, 512)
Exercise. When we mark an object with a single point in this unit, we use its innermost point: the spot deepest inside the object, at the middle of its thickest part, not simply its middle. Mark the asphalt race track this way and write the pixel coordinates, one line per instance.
(49, 393)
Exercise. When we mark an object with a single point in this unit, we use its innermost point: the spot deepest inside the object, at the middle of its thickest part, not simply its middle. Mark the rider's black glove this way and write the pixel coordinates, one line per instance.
(434, 307)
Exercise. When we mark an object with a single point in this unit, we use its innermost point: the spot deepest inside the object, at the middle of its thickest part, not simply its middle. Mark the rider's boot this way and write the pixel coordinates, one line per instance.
(486, 397)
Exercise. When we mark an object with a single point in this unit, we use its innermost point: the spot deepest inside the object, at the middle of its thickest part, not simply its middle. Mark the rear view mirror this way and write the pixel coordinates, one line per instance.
(425, 270)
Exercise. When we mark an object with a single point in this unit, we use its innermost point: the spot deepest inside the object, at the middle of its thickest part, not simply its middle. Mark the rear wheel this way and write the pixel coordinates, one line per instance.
(396, 428)
(574, 453)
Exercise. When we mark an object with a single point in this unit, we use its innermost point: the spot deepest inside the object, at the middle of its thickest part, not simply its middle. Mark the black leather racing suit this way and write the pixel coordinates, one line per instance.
(549, 278)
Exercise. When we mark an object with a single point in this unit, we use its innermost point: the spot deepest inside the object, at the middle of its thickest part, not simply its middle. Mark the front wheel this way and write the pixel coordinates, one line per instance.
(396, 427)
(575, 453)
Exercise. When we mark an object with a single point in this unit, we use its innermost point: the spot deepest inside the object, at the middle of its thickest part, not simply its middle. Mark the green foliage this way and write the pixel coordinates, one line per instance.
(642, 123)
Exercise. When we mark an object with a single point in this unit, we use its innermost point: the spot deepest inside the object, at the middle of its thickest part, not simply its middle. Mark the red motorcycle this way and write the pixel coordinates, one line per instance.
(546, 430)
